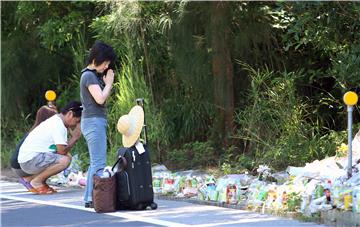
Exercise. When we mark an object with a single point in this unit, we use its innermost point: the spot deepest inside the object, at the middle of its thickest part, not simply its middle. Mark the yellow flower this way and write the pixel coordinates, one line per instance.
(341, 150)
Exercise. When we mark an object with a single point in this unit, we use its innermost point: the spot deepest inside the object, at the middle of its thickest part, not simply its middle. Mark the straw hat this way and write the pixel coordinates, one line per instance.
(130, 126)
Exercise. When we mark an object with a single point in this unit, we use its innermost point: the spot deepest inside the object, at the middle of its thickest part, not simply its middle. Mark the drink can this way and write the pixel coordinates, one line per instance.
(347, 201)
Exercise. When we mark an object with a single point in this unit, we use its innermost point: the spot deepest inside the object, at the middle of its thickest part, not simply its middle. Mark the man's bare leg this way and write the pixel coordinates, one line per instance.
(39, 179)
(29, 178)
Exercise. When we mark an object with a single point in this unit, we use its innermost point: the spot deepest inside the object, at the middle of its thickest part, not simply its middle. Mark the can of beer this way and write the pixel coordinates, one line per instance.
(347, 201)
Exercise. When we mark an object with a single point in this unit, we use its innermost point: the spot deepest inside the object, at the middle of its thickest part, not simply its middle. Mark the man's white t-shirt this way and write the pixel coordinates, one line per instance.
(43, 138)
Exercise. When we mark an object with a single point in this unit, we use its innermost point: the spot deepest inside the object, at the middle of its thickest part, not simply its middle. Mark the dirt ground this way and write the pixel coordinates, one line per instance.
(8, 175)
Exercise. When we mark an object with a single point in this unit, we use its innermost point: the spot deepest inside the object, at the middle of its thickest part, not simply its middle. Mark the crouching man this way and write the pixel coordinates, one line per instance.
(45, 151)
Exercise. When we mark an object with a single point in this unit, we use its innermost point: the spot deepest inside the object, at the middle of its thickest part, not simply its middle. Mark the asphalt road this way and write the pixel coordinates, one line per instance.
(65, 208)
(20, 213)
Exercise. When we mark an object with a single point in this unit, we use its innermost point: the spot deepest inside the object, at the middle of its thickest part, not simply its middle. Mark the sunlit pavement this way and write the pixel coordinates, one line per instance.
(65, 208)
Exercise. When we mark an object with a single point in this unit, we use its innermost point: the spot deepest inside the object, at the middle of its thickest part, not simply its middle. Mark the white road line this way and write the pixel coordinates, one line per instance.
(16, 191)
(6, 184)
(116, 214)
(238, 222)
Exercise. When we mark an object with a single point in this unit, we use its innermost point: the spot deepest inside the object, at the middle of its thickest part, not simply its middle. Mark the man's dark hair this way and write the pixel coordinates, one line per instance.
(73, 106)
(101, 52)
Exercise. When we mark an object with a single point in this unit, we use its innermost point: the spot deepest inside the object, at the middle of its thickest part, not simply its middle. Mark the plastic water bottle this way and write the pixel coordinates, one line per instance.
(104, 174)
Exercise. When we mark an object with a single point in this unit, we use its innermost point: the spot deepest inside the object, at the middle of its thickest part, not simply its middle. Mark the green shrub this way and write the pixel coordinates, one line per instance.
(226, 168)
(280, 125)
(233, 162)
(11, 134)
(192, 155)
(294, 201)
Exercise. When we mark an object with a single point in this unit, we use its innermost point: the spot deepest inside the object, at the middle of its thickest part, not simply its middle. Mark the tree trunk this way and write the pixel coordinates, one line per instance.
(222, 67)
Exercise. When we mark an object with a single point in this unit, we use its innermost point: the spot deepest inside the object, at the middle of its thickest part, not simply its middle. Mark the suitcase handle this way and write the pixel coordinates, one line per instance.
(121, 160)
(141, 102)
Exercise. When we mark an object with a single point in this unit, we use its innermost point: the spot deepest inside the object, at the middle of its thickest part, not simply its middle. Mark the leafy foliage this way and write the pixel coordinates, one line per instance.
(291, 63)
(278, 125)
(192, 155)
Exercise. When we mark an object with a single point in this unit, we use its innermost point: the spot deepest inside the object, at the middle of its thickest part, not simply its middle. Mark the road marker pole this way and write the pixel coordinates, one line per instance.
(50, 96)
(350, 99)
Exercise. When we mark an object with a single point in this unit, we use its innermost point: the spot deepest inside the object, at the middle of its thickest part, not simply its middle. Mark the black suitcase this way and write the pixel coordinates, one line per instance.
(134, 178)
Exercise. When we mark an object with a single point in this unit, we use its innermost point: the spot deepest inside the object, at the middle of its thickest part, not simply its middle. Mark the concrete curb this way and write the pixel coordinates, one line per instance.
(340, 218)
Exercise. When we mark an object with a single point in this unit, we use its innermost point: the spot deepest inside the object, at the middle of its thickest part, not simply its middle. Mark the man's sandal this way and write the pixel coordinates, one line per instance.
(50, 188)
(26, 184)
(43, 190)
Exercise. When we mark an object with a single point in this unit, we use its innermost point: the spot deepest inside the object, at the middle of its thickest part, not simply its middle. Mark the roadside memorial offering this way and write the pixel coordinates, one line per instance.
(317, 186)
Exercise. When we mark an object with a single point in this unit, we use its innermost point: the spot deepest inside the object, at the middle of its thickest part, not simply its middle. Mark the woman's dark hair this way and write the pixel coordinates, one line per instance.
(101, 52)
(73, 106)
(42, 114)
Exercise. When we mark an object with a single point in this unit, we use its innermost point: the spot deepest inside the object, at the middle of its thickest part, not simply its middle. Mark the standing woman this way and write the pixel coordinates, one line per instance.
(94, 91)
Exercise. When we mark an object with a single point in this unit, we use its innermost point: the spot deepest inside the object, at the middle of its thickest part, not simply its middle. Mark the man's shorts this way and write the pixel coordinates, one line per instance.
(20, 172)
(40, 162)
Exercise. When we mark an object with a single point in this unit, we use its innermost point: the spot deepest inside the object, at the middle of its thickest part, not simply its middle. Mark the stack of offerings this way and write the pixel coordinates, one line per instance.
(299, 190)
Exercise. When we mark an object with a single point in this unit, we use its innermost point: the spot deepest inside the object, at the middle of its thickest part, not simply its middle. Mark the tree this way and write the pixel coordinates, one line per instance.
(222, 65)
(38, 39)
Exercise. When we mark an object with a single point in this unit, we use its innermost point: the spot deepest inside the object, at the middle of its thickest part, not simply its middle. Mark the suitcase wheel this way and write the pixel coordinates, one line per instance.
(153, 206)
